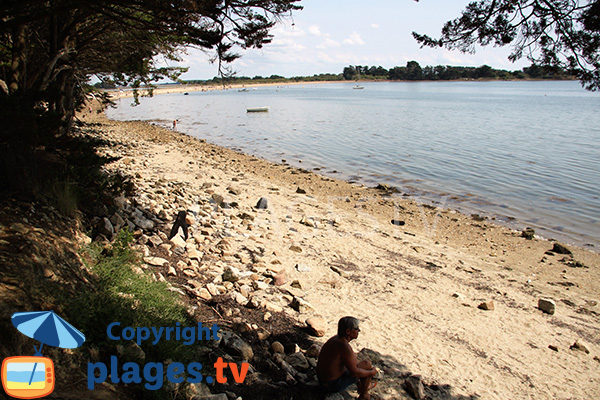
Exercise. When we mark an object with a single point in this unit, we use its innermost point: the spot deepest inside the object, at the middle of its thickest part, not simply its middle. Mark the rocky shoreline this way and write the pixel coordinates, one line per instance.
(452, 306)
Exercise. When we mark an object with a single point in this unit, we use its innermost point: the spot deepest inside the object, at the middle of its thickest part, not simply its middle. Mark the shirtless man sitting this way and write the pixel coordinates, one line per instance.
(338, 367)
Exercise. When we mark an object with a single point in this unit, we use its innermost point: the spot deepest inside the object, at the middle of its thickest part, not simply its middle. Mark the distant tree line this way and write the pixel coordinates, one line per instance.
(414, 72)
(411, 72)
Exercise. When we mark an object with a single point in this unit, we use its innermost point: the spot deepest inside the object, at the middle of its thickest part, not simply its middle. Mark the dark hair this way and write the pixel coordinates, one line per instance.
(346, 323)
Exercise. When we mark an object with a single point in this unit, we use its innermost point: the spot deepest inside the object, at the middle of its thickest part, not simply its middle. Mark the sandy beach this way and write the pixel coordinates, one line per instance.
(186, 88)
(418, 288)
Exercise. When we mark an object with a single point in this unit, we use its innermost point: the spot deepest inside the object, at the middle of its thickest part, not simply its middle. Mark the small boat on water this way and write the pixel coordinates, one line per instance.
(257, 109)
(358, 87)
(243, 90)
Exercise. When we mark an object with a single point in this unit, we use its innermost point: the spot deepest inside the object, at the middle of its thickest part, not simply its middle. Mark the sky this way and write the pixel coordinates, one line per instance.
(328, 35)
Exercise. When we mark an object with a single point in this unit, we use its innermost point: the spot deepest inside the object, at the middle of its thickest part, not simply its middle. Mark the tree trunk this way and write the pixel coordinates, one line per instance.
(17, 67)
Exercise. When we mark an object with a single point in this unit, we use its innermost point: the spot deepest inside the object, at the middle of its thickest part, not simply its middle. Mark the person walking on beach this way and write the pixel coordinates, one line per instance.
(338, 367)
(174, 124)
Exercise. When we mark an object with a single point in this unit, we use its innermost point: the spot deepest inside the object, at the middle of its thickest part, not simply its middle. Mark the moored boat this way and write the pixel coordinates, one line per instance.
(257, 109)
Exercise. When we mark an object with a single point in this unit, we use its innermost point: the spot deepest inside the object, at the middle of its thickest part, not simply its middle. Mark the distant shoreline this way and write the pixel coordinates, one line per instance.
(183, 88)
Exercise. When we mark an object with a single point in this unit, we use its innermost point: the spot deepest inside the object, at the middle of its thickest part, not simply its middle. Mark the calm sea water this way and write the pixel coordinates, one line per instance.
(527, 153)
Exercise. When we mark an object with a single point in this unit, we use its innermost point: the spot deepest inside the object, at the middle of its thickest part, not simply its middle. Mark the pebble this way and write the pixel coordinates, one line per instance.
(156, 261)
(277, 347)
(546, 305)
(303, 268)
(317, 326)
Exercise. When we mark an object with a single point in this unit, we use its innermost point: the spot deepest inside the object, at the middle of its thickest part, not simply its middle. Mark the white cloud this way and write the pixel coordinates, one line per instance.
(354, 39)
(328, 42)
(314, 30)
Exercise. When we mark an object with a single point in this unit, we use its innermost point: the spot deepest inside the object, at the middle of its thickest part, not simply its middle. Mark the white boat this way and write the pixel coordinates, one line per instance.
(358, 87)
(257, 109)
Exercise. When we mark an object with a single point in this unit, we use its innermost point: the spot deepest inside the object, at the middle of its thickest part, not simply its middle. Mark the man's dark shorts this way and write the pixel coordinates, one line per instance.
(339, 384)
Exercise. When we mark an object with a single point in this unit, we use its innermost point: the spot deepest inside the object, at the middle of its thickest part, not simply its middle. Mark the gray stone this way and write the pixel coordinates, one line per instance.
(143, 223)
(561, 249)
(105, 228)
(220, 396)
(300, 305)
(298, 361)
(218, 199)
(234, 345)
(546, 305)
(414, 387)
(117, 221)
(528, 233)
(313, 351)
(262, 204)
(155, 240)
(231, 274)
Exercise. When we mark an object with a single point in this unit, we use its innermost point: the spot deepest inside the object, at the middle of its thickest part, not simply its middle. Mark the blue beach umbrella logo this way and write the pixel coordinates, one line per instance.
(33, 377)
(48, 328)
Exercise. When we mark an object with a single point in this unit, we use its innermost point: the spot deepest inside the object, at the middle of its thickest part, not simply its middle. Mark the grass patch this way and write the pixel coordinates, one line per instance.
(124, 293)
